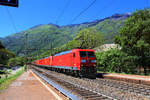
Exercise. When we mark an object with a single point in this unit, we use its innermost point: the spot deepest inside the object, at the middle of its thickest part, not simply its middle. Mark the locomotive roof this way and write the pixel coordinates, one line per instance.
(62, 53)
(65, 52)
(47, 57)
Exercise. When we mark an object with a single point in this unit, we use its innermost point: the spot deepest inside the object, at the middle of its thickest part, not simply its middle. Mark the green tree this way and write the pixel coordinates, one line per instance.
(12, 62)
(89, 38)
(1, 46)
(134, 37)
(72, 44)
(5, 55)
(17, 61)
(115, 60)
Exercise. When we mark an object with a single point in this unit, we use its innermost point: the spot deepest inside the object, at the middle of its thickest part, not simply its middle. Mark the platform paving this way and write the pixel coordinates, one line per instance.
(30, 87)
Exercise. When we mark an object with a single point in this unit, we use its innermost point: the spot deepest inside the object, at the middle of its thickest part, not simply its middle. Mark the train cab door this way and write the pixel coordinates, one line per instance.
(74, 60)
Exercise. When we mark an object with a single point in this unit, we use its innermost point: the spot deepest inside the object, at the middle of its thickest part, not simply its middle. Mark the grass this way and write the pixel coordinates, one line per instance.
(5, 82)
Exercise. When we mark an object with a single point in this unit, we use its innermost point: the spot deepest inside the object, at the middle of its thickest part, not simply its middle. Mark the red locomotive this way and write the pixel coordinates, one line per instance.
(80, 62)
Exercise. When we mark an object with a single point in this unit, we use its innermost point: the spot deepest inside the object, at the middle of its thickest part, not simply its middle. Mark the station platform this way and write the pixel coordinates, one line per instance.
(30, 87)
(138, 79)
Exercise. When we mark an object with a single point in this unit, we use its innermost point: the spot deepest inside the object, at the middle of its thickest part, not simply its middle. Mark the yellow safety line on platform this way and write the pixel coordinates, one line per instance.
(50, 90)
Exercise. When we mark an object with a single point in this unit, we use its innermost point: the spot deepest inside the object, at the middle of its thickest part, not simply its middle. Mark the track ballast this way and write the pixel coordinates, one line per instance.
(98, 89)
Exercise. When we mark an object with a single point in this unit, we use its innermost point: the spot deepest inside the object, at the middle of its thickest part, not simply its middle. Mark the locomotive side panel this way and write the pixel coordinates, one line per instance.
(64, 61)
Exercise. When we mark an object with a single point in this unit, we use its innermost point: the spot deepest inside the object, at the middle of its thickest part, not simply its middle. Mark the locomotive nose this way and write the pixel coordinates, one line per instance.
(88, 62)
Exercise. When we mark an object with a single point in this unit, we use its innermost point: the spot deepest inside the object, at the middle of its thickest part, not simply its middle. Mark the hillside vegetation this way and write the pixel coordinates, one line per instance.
(42, 36)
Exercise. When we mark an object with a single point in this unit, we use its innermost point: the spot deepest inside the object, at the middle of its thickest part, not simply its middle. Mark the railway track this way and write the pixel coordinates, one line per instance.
(125, 86)
(139, 90)
(99, 89)
(82, 92)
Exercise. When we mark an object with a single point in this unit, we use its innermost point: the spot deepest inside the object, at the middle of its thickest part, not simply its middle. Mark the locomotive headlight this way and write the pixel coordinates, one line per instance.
(93, 61)
(83, 61)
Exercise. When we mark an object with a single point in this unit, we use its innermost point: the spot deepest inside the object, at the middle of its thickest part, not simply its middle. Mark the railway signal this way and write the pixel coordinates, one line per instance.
(12, 3)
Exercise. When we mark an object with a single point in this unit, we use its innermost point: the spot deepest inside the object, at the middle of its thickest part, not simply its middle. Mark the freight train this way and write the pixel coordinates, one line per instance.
(78, 62)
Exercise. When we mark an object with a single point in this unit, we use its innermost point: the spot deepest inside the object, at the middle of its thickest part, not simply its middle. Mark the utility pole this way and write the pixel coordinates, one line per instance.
(51, 48)
(26, 50)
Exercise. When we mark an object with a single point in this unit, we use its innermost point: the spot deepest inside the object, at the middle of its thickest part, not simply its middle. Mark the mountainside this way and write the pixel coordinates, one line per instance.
(41, 36)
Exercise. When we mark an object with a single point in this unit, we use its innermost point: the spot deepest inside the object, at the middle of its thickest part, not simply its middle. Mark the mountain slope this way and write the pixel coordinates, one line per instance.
(41, 36)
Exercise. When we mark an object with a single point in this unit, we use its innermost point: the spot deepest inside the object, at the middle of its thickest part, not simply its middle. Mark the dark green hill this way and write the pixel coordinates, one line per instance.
(41, 36)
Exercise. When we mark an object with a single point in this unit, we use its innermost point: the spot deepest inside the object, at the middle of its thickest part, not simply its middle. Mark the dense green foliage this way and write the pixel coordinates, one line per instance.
(17, 61)
(1, 46)
(115, 60)
(5, 55)
(89, 38)
(134, 37)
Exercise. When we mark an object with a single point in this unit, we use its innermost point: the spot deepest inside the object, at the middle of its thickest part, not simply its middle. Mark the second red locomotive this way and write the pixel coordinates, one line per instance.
(80, 62)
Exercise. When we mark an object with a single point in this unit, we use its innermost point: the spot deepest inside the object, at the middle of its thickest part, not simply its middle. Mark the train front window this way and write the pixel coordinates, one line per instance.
(82, 53)
(91, 54)
(87, 54)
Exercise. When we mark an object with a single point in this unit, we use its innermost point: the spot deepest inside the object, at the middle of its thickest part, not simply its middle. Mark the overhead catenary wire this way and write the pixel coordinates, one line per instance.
(104, 7)
(11, 19)
(146, 3)
(58, 20)
(62, 12)
(83, 11)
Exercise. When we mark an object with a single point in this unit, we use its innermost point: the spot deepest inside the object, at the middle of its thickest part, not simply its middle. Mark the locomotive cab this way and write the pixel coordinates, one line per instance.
(88, 64)
(87, 58)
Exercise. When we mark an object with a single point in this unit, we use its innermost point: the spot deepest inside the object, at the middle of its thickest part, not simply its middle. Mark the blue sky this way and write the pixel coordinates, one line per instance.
(34, 12)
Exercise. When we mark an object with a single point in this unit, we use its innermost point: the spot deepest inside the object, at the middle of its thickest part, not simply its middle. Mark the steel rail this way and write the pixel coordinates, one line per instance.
(59, 88)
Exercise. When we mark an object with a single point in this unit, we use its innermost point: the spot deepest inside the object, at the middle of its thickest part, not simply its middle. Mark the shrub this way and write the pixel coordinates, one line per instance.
(115, 60)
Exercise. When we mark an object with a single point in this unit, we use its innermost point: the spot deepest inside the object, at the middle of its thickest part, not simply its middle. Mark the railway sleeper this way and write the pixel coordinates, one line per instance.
(99, 98)
(87, 93)
(92, 96)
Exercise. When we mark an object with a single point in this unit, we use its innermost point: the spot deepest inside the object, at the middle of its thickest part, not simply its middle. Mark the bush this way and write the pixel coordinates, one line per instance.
(115, 60)
(5, 55)
(18, 61)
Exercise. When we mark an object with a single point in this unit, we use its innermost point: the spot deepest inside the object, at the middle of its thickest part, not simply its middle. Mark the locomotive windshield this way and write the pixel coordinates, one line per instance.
(87, 54)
